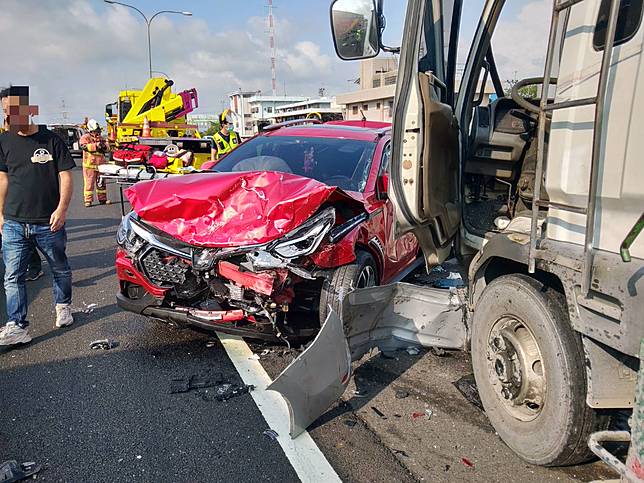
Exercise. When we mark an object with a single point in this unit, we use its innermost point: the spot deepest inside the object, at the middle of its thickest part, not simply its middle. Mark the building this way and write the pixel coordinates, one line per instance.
(203, 121)
(253, 109)
(323, 107)
(375, 98)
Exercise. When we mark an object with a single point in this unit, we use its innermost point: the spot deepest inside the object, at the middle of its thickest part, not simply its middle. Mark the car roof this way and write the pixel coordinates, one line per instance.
(356, 130)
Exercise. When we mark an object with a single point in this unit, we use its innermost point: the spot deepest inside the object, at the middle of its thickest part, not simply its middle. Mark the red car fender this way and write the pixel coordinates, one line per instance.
(126, 271)
(263, 282)
(331, 255)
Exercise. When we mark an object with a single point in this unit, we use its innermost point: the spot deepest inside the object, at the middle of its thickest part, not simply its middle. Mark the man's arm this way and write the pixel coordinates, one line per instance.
(57, 219)
(4, 187)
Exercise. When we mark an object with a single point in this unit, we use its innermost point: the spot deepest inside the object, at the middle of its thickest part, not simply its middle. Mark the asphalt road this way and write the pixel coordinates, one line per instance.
(91, 415)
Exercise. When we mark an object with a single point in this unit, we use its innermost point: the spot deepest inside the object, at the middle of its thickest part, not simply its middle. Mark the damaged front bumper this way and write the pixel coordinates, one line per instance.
(389, 317)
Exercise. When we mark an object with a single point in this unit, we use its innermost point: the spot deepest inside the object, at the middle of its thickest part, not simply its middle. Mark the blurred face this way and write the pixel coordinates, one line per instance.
(17, 112)
(224, 126)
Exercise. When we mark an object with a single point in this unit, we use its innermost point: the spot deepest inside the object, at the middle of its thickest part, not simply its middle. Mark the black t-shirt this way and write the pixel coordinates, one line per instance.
(33, 163)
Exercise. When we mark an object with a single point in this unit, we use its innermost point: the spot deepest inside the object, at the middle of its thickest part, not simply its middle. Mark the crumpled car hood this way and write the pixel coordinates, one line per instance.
(231, 209)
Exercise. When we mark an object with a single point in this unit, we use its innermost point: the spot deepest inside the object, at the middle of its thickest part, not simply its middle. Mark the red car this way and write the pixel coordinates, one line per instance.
(280, 230)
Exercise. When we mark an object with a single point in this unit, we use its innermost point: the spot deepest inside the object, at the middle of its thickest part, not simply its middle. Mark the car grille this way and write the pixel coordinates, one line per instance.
(162, 268)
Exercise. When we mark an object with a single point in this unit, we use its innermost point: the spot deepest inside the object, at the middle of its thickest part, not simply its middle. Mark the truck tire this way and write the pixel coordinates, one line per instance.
(530, 372)
(360, 274)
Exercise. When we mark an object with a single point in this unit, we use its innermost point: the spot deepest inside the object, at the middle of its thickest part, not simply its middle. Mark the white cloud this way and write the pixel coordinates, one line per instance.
(84, 54)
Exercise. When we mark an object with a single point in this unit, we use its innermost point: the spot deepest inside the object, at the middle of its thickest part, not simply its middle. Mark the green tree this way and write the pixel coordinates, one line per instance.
(529, 92)
(214, 128)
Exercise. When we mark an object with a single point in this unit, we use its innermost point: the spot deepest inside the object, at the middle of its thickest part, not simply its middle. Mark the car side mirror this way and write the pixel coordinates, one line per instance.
(355, 27)
(382, 185)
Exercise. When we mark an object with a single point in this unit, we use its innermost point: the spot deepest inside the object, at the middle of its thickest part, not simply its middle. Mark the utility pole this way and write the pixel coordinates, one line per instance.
(271, 45)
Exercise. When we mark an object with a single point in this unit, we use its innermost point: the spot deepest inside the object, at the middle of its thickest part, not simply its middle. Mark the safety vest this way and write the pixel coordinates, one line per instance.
(223, 146)
(93, 151)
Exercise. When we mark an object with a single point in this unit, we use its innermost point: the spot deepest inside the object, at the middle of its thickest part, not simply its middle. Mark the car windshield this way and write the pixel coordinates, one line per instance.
(343, 163)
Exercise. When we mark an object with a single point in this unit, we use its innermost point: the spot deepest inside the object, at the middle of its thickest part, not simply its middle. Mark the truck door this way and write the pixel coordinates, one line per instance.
(424, 164)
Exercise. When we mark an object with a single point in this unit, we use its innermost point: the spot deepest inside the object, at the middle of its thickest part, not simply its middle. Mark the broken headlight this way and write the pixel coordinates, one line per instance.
(126, 237)
(307, 238)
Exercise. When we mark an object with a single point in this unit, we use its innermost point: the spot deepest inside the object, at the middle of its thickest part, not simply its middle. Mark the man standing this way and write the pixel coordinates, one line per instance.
(94, 148)
(35, 190)
(226, 139)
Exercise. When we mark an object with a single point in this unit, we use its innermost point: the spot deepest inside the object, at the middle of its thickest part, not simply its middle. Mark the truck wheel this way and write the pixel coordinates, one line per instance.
(529, 369)
(360, 274)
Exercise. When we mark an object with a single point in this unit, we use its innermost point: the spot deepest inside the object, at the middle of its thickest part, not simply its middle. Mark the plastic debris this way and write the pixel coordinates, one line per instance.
(413, 351)
(401, 394)
(378, 412)
(438, 352)
(467, 463)
(265, 352)
(223, 390)
(429, 413)
(254, 357)
(416, 415)
(400, 452)
(350, 422)
(88, 309)
(271, 434)
(11, 471)
(453, 280)
(359, 393)
(211, 343)
(104, 344)
(466, 385)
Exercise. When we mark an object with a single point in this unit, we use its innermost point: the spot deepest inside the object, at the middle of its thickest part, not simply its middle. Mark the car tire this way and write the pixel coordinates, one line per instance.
(529, 370)
(361, 273)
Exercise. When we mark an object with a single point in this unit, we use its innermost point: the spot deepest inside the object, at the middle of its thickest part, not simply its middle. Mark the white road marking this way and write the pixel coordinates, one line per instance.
(305, 457)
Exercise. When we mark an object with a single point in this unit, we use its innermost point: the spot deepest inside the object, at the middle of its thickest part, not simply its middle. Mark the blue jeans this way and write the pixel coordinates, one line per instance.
(19, 241)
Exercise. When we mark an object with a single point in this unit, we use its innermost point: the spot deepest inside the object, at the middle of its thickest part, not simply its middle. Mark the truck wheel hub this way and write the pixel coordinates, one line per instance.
(515, 368)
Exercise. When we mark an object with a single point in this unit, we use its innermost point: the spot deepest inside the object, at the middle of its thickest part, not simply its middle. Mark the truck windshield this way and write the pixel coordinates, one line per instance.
(343, 163)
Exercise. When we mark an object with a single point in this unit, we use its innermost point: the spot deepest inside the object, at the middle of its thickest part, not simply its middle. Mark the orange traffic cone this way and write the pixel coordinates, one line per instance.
(146, 128)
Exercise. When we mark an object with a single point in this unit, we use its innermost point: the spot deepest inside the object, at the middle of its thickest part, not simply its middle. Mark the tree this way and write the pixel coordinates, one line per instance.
(529, 92)
(214, 128)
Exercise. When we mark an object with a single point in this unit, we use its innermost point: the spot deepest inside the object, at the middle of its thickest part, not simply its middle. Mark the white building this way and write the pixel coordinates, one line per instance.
(375, 97)
(252, 109)
(203, 121)
(325, 107)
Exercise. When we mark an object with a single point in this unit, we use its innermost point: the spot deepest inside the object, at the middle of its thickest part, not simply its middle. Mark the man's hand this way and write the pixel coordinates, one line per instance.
(57, 220)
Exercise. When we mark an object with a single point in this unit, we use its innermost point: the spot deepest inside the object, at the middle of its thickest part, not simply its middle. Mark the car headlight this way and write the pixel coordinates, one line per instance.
(307, 238)
(126, 237)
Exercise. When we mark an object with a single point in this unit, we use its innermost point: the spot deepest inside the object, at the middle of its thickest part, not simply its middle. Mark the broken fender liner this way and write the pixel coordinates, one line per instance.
(389, 317)
(317, 377)
(232, 209)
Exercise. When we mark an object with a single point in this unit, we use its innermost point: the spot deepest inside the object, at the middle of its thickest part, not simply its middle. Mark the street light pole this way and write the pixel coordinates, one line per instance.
(148, 23)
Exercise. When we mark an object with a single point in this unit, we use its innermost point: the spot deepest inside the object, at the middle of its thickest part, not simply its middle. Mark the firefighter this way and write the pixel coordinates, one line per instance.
(94, 148)
(226, 139)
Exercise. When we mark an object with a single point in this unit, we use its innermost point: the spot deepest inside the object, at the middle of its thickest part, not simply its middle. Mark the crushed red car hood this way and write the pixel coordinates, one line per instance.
(231, 209)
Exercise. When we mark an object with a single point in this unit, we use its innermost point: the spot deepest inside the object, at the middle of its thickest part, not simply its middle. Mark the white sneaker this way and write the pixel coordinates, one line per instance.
(64, 315)
(13, 334)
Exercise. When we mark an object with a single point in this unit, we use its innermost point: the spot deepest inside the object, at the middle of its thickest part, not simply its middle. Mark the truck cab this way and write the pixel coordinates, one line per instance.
(541, 195)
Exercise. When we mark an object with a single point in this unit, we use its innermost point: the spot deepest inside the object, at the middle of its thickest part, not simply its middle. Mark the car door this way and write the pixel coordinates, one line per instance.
(424, 163)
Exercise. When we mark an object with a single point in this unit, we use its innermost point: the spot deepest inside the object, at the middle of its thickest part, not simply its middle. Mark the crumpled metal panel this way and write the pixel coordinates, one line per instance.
(400, 315)
(317, 378)
(231, 209)
(389, 317)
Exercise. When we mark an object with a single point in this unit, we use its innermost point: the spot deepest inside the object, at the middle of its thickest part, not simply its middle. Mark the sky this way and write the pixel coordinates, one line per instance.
(77, 54)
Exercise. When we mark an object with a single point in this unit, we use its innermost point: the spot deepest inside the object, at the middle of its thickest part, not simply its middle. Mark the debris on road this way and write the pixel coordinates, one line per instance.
(104, 344)
(378, 412)
(223, 390)
(400, 452)
(401, 394)
(359, 393)
(466, 385)
(416, 415)
(429, 413)
(438, 352)
(350, 422)
(271, 434)
(254, 357)
(11, 471)
(211, 343)
(467, 463)
(453, 280)
(88, 309)
(413, 351)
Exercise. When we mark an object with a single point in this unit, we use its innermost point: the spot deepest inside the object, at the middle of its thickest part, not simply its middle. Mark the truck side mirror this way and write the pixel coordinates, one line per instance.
(355, 28)
(382, 185)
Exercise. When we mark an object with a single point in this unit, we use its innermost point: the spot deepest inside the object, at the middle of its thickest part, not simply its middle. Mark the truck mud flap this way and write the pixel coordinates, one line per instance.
(389, 317)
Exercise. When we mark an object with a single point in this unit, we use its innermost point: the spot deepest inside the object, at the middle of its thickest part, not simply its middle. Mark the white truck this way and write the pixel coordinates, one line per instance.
(546, 198)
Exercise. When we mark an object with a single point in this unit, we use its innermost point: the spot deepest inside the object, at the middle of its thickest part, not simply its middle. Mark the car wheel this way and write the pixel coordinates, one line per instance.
(529, 370)
(360, 274)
